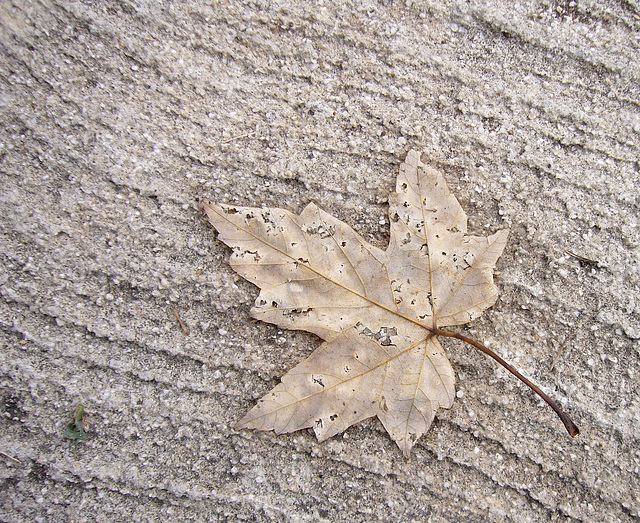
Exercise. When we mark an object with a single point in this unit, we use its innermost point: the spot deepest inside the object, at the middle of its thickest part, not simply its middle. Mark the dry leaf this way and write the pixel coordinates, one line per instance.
(379, 312)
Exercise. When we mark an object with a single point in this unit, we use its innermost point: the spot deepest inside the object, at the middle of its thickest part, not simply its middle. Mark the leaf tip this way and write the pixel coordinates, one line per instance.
(208, 209)
(244, 422)
(413, 157)
(241, 425)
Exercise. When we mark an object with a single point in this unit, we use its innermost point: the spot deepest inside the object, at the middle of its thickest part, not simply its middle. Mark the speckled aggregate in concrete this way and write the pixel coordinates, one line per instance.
(119, 116)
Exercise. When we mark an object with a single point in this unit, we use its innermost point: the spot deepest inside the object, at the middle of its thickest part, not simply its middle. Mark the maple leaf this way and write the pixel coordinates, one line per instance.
(379, 312)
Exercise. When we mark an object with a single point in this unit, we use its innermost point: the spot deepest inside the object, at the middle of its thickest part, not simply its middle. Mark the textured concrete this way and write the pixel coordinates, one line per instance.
(119, 116)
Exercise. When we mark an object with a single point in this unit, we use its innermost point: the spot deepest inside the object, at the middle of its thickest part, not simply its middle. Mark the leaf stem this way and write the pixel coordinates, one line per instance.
(566, 420)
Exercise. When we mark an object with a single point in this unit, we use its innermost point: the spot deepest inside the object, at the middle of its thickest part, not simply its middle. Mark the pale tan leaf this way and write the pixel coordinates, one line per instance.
(375, 309)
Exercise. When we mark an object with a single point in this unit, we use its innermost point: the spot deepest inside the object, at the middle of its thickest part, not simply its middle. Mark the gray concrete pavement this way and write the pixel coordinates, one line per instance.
(118, 117)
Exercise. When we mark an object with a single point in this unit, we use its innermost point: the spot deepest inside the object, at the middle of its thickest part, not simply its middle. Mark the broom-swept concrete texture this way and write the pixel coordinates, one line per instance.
(119, 117)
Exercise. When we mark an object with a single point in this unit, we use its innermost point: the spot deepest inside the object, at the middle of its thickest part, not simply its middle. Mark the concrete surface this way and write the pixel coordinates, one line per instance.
(119, 116)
